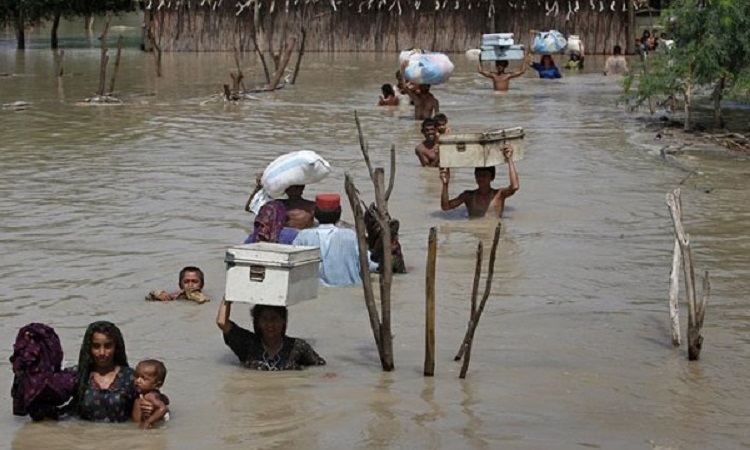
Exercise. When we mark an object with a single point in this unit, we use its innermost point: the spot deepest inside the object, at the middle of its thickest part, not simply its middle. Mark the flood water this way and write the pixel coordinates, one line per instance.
(102, 204)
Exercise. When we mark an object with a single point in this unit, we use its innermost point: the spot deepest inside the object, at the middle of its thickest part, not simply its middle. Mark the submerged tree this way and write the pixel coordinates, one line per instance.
(711, 49)
(20, 14)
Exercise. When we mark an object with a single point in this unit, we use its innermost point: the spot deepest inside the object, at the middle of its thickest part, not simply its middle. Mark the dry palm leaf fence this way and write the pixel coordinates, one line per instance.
(377, 25)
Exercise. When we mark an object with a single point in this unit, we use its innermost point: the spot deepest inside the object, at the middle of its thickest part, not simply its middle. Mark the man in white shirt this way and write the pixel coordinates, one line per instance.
(339, 251)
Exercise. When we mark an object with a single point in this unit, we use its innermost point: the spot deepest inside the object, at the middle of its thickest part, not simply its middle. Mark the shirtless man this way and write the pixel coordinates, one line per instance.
(479, 201)
(300, 212)
(501, 79)
(428, 151)
(425, 104)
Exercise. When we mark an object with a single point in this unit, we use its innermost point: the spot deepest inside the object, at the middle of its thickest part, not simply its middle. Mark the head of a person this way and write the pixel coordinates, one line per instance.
(429, 129)
(484, 176)
(617, 50)
(387, 90)
(424, 88)
(501, 65)
(547, 61)
(295, 191)
(149, 375)
(269, 321)
(102, 349)
(646, 34)
(327, 208)
(269, 222)
(575, 56)
(191, 278)
(441, 123)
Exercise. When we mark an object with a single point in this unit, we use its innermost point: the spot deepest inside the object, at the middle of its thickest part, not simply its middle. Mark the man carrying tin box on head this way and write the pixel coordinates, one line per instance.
(339, 251)
(484, 199)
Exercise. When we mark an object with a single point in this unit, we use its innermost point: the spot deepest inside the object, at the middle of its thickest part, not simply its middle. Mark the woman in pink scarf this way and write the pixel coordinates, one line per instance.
(269, 225)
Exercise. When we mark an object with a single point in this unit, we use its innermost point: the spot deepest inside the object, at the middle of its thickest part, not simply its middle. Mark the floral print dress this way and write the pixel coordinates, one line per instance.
(114, 404)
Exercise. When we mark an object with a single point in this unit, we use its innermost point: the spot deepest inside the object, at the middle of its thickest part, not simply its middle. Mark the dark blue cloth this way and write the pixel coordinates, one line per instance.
(549, 73)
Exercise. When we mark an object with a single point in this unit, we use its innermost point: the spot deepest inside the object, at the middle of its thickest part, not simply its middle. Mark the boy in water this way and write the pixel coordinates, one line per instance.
(149, 377)
(191, 281)
(478, 201)
(428, 151)
(500, 78)
(441, 123)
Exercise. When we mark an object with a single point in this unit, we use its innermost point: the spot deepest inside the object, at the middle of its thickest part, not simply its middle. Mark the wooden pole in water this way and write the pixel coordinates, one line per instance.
(674, 282)
(363, 145)
(469, 339)
(60, 58)
(240, 75)
(386, 271)
(696, 312)
(117, 65)
(392, 174)
(429, 290)
(474, 295)
(359, 225)
(104, 59)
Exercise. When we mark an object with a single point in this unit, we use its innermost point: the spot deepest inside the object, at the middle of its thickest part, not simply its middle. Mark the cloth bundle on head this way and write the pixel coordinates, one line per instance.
(428, 68)
(39, 384)
(549, 42)
(295, 168)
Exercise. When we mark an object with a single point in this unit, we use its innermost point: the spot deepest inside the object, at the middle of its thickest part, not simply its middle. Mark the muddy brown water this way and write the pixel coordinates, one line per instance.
(102, 204)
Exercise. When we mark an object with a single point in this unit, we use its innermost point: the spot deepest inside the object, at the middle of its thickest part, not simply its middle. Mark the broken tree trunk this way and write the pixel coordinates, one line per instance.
(474, 295)
(299, 56)
(359, 225)
(282, 66)
(469, 339)
(104, 59)
(385, 270)
(117, 65)
(695, 340)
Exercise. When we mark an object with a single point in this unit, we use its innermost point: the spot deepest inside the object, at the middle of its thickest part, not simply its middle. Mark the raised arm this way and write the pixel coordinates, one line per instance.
(258, 187)
(222, 317)
(445, 203)
(524, 66)
(481, 70)
(514, 185)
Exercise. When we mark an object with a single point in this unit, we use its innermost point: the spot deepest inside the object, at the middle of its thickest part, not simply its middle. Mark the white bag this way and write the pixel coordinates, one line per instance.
(574, 44)
(301, 167)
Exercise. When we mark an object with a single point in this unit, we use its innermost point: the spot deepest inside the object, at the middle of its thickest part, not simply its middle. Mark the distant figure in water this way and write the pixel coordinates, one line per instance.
(389, 97)
(547, 68)
(479, 201)
(616, 64)
(501, 78)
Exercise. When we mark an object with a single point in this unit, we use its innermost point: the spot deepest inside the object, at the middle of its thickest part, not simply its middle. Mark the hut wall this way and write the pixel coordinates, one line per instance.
(450, 26)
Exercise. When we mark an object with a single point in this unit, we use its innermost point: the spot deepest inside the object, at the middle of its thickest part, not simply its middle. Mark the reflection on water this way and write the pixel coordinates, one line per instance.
(101, 205)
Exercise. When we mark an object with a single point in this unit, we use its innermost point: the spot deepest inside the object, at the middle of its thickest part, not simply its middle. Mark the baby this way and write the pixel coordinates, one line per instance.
(191, 284)
(149, 377)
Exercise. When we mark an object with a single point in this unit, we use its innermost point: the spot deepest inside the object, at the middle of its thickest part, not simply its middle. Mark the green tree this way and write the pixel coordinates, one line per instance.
(20, 14)
(711, 50)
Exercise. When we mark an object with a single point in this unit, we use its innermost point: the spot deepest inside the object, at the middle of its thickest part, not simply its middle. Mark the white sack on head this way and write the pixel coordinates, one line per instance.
(301, 167)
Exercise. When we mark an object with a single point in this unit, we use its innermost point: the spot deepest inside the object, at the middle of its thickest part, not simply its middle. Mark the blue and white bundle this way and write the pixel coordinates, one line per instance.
(549, 42)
